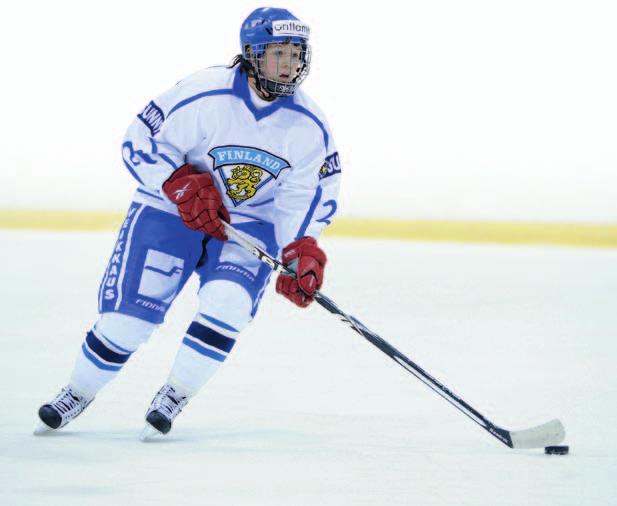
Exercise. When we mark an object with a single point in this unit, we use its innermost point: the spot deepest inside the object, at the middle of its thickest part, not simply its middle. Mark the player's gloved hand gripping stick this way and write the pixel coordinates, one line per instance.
(550, 433)
(200, 205)
(308, 261)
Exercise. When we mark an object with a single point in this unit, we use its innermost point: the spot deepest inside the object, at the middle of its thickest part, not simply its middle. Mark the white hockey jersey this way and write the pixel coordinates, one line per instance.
(271, 161)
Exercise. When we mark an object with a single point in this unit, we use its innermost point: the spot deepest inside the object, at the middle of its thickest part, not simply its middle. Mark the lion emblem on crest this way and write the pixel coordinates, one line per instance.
(243, 181)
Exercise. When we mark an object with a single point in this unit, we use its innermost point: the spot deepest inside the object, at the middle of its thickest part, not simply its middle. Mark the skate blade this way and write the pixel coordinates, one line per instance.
(149, 433)
(42, 429)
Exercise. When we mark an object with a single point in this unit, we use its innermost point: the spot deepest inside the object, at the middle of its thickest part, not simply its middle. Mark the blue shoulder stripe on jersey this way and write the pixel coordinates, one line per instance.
(304, 110)
(186, 101)
(310, 213)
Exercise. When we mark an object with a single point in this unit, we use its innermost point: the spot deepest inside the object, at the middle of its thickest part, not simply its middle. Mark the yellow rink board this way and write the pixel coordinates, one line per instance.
(587, 235)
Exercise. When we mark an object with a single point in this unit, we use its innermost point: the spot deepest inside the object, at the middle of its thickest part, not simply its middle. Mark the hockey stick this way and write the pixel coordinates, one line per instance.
(547, 434)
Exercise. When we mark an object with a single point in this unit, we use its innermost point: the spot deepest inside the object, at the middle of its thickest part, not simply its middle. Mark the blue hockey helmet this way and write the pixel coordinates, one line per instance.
(277, 72)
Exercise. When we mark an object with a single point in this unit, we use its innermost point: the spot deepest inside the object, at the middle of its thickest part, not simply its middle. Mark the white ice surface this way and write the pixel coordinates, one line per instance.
(305, 412)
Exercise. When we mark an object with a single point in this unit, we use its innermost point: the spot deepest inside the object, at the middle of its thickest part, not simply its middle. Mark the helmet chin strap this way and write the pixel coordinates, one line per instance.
(274, 88)
(271, 89)
(262, 85)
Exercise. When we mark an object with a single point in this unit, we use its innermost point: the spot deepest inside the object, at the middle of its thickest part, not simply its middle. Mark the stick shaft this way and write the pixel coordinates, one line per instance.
(401, 359)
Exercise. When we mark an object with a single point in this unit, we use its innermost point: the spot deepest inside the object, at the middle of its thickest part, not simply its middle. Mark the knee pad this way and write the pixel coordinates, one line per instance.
(225, 305)
(123, 331)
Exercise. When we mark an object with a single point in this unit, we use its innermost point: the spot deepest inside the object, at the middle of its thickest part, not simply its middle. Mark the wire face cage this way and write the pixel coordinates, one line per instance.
(279, 67)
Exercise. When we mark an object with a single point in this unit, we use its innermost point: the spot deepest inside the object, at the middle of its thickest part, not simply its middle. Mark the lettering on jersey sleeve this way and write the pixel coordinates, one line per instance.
(331, 166)
(152, 116)
(245, 170)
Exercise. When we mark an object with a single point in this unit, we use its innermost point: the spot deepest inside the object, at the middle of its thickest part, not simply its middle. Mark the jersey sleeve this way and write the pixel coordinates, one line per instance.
(306, 201)
(159, 137)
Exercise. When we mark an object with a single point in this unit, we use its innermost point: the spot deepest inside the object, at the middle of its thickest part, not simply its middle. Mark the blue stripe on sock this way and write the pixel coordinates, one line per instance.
(97, 362)
(98, 347)
(204, 351)
(221, 324)
(211, 337)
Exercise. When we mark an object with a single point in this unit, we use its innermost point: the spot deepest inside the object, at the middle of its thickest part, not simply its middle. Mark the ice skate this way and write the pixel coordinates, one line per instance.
(165, 406)
(66, 406)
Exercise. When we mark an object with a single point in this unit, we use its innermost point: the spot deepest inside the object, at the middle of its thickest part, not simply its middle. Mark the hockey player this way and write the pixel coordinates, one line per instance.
(241, 144)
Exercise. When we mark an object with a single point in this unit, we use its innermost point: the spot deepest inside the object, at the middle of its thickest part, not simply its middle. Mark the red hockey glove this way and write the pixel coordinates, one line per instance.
(308, 260)
(199, 203)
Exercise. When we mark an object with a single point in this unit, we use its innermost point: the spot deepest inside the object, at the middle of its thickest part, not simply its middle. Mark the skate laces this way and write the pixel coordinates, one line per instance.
(68, 403)
(168, 402)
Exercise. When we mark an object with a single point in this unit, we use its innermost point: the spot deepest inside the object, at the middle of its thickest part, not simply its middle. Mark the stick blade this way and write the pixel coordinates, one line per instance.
(548, 434)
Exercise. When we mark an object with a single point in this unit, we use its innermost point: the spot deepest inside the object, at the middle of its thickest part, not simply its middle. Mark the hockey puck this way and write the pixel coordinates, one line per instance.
(556, 450)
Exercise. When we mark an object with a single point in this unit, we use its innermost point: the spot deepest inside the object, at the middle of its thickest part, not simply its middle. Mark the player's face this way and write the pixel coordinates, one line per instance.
(282, 62)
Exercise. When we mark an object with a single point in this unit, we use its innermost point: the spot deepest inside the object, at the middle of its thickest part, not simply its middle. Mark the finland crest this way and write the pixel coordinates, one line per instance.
(244, 170)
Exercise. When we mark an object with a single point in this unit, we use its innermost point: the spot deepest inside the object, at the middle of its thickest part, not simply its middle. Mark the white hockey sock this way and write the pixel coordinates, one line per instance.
(107, 347)
(203, 350)
(98, 362)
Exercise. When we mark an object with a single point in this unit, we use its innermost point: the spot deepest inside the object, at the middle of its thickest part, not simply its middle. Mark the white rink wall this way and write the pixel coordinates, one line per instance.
(449, 110)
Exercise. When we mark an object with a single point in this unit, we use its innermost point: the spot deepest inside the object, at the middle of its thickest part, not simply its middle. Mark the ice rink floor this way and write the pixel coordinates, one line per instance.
(305, 412)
